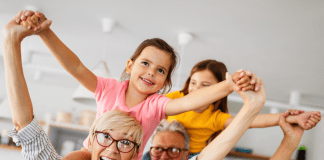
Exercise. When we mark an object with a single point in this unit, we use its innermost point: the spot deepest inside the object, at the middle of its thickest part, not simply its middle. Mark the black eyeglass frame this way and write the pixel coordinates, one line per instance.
(166, 150)
(135, 144)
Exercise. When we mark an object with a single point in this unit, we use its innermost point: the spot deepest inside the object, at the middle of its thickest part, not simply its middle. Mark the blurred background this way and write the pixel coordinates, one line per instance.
(280, 41)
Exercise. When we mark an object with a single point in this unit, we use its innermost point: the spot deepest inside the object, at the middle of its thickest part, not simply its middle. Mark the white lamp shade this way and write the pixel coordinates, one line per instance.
(82, 94)
(5, 111)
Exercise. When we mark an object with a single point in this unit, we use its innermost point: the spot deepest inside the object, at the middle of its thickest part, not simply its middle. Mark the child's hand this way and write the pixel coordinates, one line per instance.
(308, 120)
(246, 80)
(33, 20)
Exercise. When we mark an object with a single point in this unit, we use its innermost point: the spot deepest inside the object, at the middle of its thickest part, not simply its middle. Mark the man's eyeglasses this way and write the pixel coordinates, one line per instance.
(123, 145)
(171, 152)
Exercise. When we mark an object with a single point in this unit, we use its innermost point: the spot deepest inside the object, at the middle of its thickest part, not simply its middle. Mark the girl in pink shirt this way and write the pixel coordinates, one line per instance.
(147, 72)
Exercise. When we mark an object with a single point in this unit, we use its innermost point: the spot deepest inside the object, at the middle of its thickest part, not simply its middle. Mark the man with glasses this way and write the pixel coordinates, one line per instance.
(169, 141)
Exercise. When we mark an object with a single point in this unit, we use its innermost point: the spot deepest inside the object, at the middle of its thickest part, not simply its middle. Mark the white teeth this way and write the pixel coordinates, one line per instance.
(105, 158)
(147, 81)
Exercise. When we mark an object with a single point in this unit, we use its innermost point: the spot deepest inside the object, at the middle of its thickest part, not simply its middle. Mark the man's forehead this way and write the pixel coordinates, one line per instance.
(168, 139)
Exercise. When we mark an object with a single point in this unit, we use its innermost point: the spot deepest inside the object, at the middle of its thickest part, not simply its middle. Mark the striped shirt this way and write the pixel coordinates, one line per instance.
(35, 142)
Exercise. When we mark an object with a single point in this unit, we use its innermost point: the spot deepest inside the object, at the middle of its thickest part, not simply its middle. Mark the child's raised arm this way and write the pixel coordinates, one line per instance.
(202, 97)
(69, 61)
(306, 120)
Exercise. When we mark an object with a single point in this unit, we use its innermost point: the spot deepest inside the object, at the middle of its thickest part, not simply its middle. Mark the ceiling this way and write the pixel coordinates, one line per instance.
(281, 41)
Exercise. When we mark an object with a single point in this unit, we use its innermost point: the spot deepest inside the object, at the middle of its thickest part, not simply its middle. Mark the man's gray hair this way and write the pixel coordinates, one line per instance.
(173, 126)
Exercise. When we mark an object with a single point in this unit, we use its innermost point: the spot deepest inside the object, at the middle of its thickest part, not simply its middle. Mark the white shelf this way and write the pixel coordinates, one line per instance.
(70, 126)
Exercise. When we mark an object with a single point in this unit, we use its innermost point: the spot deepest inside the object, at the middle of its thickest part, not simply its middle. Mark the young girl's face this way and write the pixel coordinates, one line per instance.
(201, 79)
(150, 70)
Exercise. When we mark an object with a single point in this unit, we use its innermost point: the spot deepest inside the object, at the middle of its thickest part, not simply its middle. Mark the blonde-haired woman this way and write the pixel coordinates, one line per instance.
(114, 135)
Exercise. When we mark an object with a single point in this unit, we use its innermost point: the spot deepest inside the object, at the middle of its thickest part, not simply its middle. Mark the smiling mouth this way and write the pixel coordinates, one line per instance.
(147, 81)
(105, 158)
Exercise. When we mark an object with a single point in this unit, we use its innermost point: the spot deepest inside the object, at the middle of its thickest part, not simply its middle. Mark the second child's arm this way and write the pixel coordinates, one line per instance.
(69, 61)
(306, 120)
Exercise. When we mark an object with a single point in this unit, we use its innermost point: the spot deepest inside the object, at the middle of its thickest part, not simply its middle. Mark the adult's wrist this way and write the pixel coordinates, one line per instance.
(10, 35)
(251, 109)
(291, 142)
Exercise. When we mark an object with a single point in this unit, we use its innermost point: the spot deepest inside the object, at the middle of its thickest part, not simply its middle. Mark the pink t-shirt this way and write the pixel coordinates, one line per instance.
(110, 94)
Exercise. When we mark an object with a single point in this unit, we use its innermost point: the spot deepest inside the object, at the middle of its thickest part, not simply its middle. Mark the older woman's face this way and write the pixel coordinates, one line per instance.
(111, 152)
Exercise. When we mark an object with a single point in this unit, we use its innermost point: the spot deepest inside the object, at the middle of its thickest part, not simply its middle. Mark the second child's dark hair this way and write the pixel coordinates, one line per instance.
(162, 45)
(219, 70)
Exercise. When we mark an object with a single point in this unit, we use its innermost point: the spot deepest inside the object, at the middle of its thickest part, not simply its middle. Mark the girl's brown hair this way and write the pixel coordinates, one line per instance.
(162, 45)
(219, 70)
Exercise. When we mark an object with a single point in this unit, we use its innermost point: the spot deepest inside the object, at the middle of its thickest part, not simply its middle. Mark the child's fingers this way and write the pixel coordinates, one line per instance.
(246, 85)
(253, 78)
(17, 16)
(308, 126)
(34, 19)
(311, 123)
(25, 24)
(236, 76)
(258, 84)
(41, 16)
(318, 114)
(26, 14)
(249, 73)
(249, 87)
(295, 112)
(299, 112)
(316, 117)
(242, 74)
(29, 13)
(243, 80)
(30, 23)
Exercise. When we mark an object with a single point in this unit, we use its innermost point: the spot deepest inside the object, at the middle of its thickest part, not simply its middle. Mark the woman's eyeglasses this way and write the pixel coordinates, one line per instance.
(171, 152)
(123, 145)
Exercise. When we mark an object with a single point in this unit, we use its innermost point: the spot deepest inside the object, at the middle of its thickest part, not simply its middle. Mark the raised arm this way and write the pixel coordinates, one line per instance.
(68, 60)
(19, 99)
(28, 132)
(223, 143)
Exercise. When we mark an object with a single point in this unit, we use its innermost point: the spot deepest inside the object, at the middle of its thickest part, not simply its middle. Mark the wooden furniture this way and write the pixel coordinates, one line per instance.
(247, 155)
(15, 148)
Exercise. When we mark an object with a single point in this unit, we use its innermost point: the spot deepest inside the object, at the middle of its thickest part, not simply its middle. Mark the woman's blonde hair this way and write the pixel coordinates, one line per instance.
(125, 123)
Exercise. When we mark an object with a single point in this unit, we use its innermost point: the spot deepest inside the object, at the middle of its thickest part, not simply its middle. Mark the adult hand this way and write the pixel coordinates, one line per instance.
(15, 31)
(291, 131)
(256, 98)
(256, 81)
(247, 80)
(33, 20)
